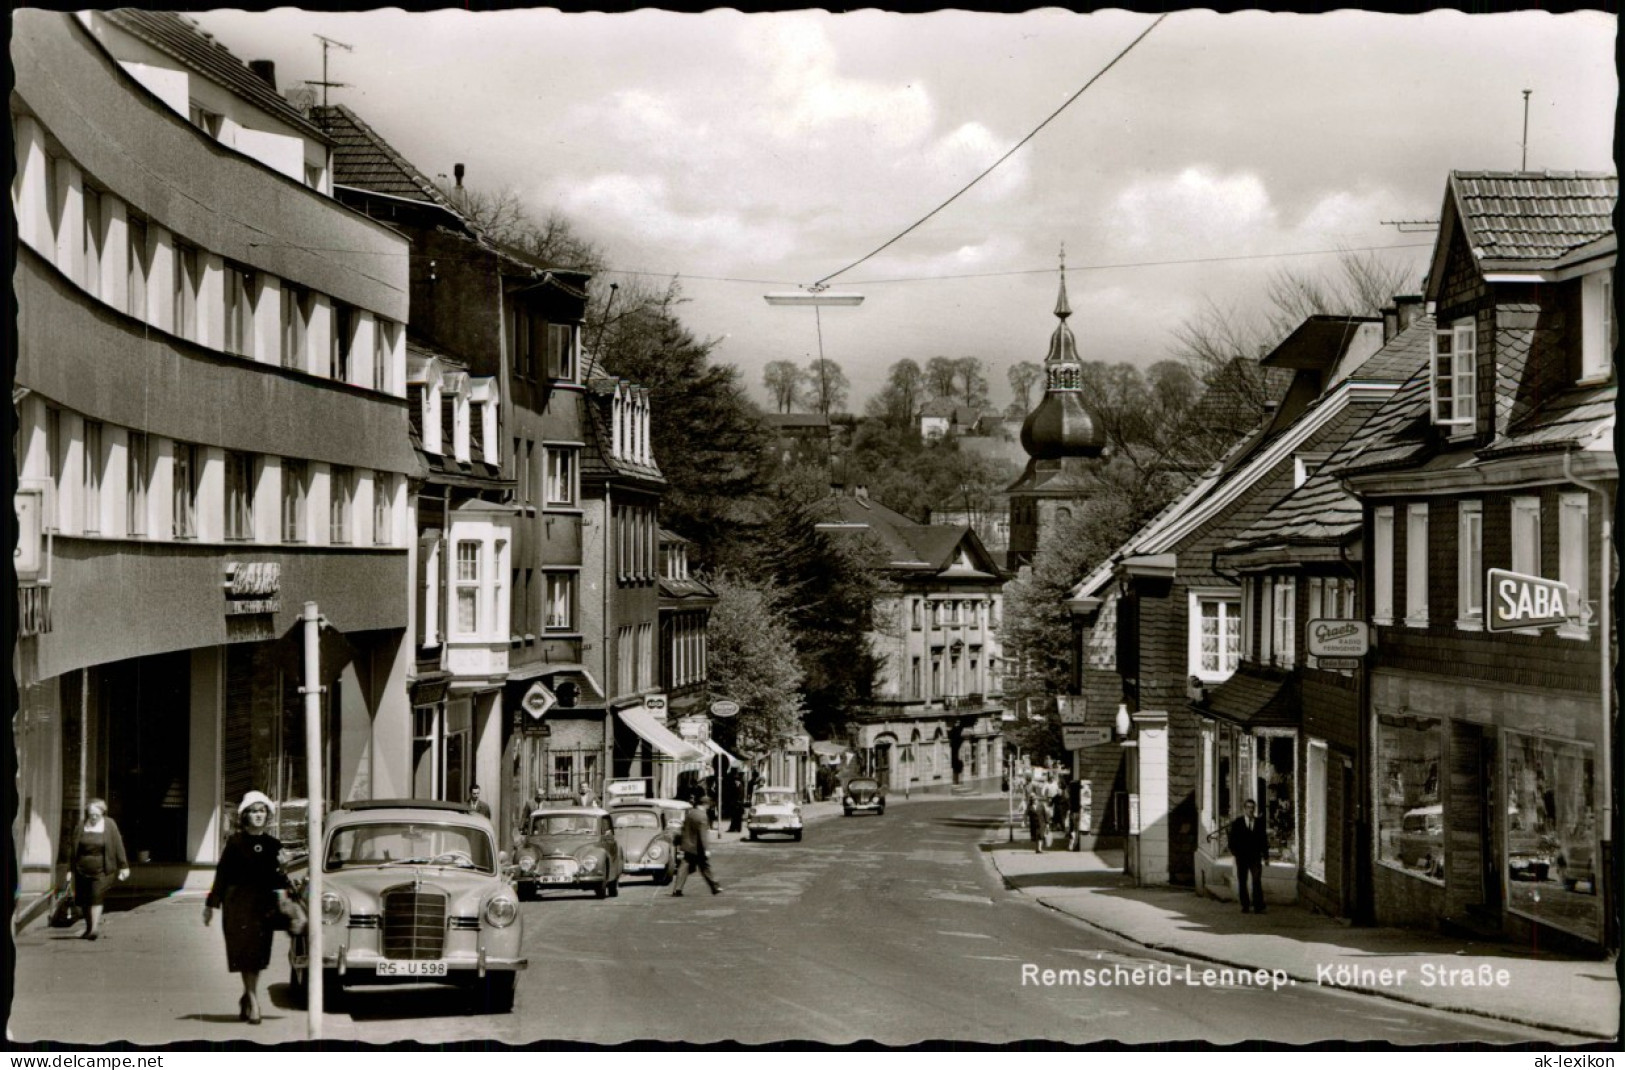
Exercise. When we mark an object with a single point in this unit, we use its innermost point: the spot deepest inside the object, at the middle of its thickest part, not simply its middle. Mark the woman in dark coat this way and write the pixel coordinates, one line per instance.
(246, 886)
(98, 854)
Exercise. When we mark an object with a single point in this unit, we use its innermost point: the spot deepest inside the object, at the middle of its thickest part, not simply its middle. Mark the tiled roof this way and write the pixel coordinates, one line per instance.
(1253, 700)
(182, 39)
(782, 420)
(886, 539)
(1317, 343)
(1533, 217)
(686, 590)
(943, 408)
(1581, 416)
(598, 458)
(364, 160)
(1321, 510)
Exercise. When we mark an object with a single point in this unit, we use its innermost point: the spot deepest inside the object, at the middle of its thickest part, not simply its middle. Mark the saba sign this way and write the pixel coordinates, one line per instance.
(1519, 601)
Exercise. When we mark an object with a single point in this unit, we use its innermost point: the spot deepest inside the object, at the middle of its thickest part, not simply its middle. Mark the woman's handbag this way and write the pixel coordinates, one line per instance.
(66, 912)
(289, 915)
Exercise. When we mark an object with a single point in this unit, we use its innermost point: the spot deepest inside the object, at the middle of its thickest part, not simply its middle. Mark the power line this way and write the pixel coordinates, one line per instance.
(1098, 75)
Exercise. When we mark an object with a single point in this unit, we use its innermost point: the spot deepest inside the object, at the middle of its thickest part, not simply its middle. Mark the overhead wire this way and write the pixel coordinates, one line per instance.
(1013, 149)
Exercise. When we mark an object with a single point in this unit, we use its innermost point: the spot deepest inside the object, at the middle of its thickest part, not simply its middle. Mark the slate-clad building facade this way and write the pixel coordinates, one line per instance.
(194, 462)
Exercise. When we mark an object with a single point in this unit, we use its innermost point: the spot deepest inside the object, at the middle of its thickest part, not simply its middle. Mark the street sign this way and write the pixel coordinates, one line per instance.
(1337, 663)
(1335, 638)
(1520, 601)
(538, 700)
(655, 704)
(723, 707)
(1076, 737)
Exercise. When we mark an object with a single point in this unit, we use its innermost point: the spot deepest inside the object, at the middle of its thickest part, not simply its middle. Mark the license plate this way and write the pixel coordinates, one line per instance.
(412, 968)
(555, 878)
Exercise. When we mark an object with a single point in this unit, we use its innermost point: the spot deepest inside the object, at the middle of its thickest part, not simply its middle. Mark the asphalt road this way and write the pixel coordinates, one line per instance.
(892, 929)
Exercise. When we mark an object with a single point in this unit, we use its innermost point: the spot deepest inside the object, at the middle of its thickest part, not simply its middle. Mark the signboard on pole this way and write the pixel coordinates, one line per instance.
(723, 707)
(538, 700)
(1519, 601)
(1077, 737)
(1071, 709)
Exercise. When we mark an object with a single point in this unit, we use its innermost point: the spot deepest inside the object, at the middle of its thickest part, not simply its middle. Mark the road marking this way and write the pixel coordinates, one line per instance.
(971, 936)
(958, 897)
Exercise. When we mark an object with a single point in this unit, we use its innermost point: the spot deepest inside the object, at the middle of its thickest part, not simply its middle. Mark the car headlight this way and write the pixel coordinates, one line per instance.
(527, 861)
(591, 863)
(847, 799)
(333, 908)
(655, 853)
(501, 911)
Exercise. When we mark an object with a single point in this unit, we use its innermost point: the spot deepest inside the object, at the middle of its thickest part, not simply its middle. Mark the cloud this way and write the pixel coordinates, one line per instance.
(640, 210)
(1194, 212)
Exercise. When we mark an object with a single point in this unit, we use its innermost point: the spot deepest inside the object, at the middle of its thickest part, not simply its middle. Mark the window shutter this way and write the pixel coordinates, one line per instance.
(1439, 382)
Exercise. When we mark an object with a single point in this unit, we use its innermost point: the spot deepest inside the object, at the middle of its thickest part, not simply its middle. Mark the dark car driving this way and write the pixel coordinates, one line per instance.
(863, 794)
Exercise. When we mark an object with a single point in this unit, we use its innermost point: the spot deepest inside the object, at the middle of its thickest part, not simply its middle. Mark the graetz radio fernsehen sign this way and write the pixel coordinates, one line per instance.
(1519, 601)
(1334, 638)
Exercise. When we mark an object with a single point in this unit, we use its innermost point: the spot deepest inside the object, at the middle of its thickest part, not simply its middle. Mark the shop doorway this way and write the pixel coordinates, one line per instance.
(141, 743)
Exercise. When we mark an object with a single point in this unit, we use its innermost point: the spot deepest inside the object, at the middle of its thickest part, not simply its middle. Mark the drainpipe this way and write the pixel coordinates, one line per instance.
(1603, 632)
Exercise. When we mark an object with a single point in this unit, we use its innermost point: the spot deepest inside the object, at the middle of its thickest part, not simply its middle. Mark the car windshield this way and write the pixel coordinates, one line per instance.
(773, 798)
(638, 819)
(564, 825)
(419, 842)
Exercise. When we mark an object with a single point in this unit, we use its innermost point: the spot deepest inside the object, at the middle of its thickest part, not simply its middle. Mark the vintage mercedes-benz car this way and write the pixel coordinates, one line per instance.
(863, 794)
(773, 811)
(646, 840)
(569, 847)
(412, 892)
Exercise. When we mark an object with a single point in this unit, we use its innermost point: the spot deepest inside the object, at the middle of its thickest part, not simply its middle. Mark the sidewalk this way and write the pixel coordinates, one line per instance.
(1507, 983)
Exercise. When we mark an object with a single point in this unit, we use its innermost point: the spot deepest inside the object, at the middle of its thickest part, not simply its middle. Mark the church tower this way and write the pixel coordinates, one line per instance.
(1060, 437)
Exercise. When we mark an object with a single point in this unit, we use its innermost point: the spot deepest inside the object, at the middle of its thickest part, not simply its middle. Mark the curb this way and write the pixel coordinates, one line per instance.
(1175, 949)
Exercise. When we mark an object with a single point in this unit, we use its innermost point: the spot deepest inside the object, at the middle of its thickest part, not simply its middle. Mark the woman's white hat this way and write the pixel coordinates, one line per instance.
(253, 798)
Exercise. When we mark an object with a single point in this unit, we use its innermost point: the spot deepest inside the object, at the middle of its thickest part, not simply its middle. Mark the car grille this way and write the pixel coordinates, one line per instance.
(768, 819)
(414, 923)
(559, 867)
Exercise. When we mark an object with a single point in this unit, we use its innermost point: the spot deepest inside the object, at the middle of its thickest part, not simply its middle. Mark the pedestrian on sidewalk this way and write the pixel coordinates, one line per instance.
(478, 805)
(1250, 846)
(247, 885)
(1074, 814)
(1038, 808)
(691, 841)
(98, 855)
(585, 796)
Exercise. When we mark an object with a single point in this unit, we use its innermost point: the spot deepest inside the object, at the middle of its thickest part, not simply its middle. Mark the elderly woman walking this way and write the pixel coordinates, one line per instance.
(246, 886)
(98, 854)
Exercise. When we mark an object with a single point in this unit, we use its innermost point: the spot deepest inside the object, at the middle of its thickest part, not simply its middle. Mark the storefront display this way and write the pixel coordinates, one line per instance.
(1410, 811)
(1551, 833)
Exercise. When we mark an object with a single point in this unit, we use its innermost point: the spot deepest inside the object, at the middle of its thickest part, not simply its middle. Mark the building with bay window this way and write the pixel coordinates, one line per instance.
(212, 431)
(497, 408)
(1490, 724)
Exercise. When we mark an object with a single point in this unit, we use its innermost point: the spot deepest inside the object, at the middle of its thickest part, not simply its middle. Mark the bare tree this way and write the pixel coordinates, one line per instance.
(941, 373)
(826, 385)
(972, 382)
(783, 381)
(899, 400)
(502, 216)
(1023, 376)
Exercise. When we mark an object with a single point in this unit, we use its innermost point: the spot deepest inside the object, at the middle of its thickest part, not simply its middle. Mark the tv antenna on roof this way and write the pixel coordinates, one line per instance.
(329, 43)
(1524, 164)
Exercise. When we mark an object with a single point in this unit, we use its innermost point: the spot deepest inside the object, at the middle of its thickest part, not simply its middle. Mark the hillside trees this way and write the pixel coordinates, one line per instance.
(898, 402)
(825, 386)
(783, 381)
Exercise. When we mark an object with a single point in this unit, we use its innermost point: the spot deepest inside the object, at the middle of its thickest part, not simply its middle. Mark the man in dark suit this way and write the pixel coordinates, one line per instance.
(1250, 845)
(691, 841)
(478, 805)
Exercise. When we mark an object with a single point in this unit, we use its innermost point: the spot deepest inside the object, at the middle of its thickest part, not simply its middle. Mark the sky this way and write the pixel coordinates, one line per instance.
(754, 153)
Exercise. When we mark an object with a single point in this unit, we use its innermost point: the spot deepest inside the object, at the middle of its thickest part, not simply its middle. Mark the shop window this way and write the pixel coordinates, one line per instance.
(1552, 858)
(1314, 810)
(1276, 767)
(1410, 810)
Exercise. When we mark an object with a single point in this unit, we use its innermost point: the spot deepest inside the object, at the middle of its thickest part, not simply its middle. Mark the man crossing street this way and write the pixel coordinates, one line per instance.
(691, 841)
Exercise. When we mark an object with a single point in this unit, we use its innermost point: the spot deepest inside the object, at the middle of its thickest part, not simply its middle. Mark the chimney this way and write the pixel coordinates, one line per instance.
(458, 170)
(1411, 307)
(266, 69)
(1390, 324)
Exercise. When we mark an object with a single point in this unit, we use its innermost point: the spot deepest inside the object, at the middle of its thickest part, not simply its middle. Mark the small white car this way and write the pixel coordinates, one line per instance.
(774, 811)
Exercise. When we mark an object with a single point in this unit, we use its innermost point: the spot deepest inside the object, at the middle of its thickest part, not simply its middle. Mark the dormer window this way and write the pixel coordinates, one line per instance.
(1599, 329)
(561, 358)
(1455, 375)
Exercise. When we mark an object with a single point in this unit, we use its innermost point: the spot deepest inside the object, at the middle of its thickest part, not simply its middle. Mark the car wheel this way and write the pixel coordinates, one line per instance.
(753, 834)
(601, 889)
(298, 987)
(615, 888)
(332, 991)
(796, 835)
(848, 810)
(497, 991)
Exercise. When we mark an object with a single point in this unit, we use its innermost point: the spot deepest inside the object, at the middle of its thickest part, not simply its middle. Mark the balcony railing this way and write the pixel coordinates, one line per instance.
(33, 611)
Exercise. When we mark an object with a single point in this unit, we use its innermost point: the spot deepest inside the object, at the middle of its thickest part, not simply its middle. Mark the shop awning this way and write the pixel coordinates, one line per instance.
(827, 749)
(1254, 702)
(659, 736)
(588, 693)
(717, 751)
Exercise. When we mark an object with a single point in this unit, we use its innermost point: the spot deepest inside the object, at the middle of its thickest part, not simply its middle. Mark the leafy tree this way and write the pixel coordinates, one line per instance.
(915, 475)
(826, 385)
(972, 379)
(898, 402)
(941, 373)
(751, 659)
(706, 433)
(783, 381)
(1023, 376)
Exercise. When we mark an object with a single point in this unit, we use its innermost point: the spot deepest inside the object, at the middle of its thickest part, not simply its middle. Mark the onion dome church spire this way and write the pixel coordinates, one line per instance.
(1061, 425)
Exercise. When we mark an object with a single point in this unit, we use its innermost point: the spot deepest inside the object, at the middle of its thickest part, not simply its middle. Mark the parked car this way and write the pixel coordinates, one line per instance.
(1421, 840)
(569, 847)
(863, 793)
(412, 892)
(773, 811)
(645, 840)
